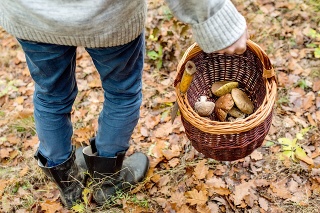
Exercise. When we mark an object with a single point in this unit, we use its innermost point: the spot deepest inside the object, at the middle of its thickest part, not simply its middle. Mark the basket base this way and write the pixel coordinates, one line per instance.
(227, 147)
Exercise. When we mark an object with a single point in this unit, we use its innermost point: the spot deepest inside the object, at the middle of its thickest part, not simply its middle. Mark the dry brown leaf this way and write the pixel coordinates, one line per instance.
(201, 170)
(174, 162)
(151, 121)
(220, 170)
(216, 182)
(203, 209)
(178, 198)
(264, 204)
(283, 79)
(50, 206)
(184, 209)
(163, 130)
(280, 190)
(196, 198)
(155, 178)
(241, 191)
(256, 155)
(308, 100)
(24, 171)
(316, 85)
(164, 180)
(33, 142)
(171, 153)
(5, 152)
(318, 115)
(213, 207)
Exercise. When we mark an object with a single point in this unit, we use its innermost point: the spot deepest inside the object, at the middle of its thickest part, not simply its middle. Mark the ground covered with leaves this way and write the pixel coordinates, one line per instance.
(281, 176)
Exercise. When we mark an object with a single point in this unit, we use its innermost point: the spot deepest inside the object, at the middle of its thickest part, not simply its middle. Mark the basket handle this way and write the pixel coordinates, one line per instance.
(268, 71)
(194, 49)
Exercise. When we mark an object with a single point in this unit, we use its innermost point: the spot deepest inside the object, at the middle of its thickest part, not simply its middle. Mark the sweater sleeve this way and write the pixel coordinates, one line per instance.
(216, 24)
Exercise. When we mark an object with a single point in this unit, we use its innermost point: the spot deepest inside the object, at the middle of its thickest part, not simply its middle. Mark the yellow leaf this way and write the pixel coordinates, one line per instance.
(286, 154)
(301, 154)
(299, 136)
(286, 144)
(78, 208)
(85, 194)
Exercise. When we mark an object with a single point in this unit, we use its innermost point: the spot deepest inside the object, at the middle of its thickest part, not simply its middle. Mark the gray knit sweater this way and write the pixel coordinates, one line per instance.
(216, 24)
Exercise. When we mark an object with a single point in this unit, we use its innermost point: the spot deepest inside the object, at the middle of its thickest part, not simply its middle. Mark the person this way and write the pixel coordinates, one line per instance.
(112, 32)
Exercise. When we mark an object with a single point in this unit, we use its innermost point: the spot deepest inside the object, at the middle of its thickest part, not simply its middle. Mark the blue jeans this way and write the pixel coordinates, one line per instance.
(52, 67)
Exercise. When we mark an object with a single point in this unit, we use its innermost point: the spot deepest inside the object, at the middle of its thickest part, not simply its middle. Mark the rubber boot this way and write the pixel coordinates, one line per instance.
(66, 176)
(110, 174)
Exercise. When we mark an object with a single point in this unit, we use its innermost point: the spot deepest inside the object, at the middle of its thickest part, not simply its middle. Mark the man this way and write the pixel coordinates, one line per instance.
(112, 33)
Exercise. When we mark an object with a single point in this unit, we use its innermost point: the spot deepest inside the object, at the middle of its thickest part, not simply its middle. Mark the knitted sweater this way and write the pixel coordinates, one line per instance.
(216, 24)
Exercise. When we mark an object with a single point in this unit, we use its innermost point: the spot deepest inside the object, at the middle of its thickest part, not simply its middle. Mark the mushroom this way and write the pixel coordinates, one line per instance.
(187, 76)
(236, 113)
(203, 107)
(242, 101)
(221, 88)
(223, 105)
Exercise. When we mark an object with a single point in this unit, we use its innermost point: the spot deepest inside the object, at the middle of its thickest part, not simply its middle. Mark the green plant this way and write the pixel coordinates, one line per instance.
(314, 44)
(293, 150)
(156, 56)
(25, 125)
(7, 87)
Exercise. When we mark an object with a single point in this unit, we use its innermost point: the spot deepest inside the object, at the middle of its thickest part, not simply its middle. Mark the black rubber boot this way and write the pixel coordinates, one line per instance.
(66, 176)
(110, 174)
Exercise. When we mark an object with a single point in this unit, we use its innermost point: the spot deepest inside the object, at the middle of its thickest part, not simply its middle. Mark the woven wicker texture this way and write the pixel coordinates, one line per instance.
(228, 141)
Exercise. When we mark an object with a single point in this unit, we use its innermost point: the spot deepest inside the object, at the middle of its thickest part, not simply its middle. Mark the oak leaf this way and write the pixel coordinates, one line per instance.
(178, 198)
(196, 198)
(201, 170)
(50, 206)
(241, 191)
(171, 153)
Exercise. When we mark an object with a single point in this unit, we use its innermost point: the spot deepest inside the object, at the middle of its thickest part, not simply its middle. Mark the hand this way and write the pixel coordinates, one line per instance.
(237, 47)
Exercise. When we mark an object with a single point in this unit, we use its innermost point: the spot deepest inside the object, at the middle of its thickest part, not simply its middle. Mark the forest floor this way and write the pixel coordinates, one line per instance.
(181, 179)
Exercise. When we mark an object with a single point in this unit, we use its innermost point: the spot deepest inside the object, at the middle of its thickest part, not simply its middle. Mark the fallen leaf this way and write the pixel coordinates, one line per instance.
(174, 162)
(316, 85)
(50, 206)
(241, 191)
(24, 171)
(201, 170)
(178, 198)
(256, 155)
(280, 189)
(171, 153)
(301, 155)
(263, 203)
(196, 197)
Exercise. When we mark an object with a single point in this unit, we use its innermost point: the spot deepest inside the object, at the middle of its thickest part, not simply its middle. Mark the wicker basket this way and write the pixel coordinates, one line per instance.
(228, 141)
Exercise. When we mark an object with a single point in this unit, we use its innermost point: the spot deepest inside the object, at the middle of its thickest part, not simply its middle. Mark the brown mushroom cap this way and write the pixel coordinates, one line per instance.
(223, 105)
(221, 88)
(242, 101)
(236, 113)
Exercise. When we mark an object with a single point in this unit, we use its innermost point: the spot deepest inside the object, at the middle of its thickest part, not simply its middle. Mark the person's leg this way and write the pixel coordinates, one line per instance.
(52, 67)
(120, 69)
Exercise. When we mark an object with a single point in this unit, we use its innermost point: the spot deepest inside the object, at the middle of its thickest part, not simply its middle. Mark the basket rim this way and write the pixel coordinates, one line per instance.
(243, 125)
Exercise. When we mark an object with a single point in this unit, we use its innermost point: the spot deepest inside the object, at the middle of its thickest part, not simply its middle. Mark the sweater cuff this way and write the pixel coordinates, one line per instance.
(221, 30)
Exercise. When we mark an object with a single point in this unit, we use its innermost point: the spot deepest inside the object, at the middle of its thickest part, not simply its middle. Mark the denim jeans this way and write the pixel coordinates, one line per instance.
(52, 67)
